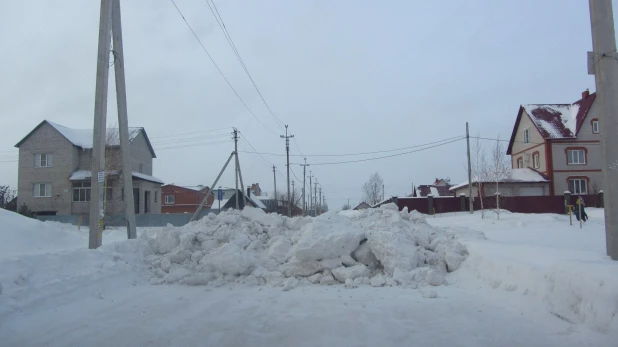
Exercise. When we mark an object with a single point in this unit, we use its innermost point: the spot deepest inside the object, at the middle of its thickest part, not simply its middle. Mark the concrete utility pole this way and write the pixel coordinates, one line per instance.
(315, 198)
(310, 195)
(235, 137)
(109, 22)
(304, 185)
(469, 169)
(321, 201)
(287, 150)
(275, 181)
(606, 76)
(209, 190)
(293, 196)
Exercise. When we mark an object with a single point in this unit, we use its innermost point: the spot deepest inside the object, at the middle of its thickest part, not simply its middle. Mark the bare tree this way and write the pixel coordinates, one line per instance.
(6, 197)
(295, 196)
(372, 189)
(480, 170)
(346, 207)
(499, 170)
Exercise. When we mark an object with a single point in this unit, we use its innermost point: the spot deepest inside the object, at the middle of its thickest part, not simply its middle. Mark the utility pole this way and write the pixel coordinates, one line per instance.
(109, 26)
(235, 137)
(304, 184)
(293, 196)
(275, 181)
(469, 170)
(606, 77)
(287, 150)
(310, 195)
(315, 199)
(321, 201)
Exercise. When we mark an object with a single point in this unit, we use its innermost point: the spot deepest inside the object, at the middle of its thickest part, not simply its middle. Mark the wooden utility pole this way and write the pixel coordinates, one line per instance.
(275, 181)
(469, 170)
(606, 77)
(287, 151)
(304, 185)
(235, 137)
(109, 22)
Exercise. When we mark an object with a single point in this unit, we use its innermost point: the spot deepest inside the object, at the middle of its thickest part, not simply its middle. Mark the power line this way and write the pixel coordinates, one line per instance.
(365, 153)
(218, 69)
(192, 145)
(386, 156)
(227, 35)
(191, 133)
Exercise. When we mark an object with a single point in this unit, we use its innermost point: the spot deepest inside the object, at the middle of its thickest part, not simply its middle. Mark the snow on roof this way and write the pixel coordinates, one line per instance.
(83, 137)
(558, 121)
(256, 200)
(517, 176)
(86, 174)
(434, 191)
(215, 204)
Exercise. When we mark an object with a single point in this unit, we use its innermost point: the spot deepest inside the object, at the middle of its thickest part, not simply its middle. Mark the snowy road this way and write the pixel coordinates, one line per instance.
(145, 315)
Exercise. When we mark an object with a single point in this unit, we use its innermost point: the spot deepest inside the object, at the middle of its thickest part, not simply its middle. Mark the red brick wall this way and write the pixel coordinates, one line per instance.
(186, 200)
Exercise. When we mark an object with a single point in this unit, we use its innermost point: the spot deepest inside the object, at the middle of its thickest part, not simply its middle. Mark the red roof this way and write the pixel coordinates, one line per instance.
(556, 121)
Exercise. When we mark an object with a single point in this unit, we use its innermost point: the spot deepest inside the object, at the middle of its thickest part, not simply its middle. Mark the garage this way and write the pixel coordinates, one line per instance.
(531, 191)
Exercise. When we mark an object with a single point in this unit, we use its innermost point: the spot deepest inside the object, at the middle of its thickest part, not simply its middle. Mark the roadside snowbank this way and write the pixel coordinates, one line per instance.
(374, 247)
(546, 259)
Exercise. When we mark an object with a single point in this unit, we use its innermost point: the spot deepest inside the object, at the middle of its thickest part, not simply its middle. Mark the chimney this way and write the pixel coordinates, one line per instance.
(585, 94)
(249, 192)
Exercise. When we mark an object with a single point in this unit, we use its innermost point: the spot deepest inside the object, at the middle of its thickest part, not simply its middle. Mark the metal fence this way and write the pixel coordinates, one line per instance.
(141, 220)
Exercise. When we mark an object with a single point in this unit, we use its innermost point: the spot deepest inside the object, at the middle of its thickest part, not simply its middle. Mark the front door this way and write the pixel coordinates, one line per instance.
(146, 201)
(136, 199)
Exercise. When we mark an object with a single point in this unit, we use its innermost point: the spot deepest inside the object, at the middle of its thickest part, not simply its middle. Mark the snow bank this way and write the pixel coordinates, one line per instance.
(373, 247)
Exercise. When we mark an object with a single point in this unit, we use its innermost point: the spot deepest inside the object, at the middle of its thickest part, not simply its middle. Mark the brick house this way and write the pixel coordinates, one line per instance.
(561, 141)
(177, 199)
(54, 171)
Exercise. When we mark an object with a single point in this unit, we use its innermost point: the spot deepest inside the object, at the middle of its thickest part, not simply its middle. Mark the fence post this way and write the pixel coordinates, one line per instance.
(462, 202)
(601, 202)
(567, 201)
(430, 203)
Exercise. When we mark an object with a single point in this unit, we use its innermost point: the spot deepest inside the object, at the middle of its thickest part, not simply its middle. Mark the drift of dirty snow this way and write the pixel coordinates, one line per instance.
(372, 247)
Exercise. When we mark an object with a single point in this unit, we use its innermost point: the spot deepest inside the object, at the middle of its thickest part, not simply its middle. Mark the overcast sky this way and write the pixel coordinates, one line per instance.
(347, 76)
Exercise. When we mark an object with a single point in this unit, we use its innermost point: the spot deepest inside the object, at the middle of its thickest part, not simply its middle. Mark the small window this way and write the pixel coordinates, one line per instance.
(578, 186)
(42, 160)
(81, 191)
(42, 190)
(109, 196)
(527, 136)
(520, 163)
(576, 157)
(535, 160)
(141, 168)
(156, 196)
(170, 199)
(595, 126)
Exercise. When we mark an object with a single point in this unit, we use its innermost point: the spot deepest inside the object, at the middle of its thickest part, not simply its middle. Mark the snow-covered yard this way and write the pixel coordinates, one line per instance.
(527, 280)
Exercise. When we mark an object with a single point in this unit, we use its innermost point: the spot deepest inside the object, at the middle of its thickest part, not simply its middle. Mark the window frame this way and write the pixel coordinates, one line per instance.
(171, 201)
(83, 188)
(595, 124)
(570, 150)
(156, 196)
(527, 135)
(536, 160)
(38, 159)
(520, 160)
(36, 190)
(579, 179)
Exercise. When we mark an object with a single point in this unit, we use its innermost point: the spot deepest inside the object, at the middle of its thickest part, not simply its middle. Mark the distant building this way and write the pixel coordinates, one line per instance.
(255, 188)
(441, 187)
(523, 182)
(363, 205)
(55, 168)
(177, 199)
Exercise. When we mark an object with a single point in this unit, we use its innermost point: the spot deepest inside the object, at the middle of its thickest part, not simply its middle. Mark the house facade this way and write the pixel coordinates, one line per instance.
(177, 199)
(561, 141)
(522, 182)
(54, 171)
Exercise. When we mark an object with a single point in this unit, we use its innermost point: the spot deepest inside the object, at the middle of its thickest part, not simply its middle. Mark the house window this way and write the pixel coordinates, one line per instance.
(141, 168)
(595, 126)
(527, 136)
(156, 196)
(81, 191)
(108, 194)
(42, 190)
(578, 185)
(170, 199)
(520, 163)
(42, 160)
(535, 160)
(576, 156)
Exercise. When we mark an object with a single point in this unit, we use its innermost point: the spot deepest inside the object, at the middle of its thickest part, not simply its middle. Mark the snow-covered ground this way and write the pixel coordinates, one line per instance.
(528, 280)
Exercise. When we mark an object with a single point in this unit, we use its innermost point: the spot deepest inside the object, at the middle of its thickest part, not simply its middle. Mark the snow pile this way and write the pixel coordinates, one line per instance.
(372, 247)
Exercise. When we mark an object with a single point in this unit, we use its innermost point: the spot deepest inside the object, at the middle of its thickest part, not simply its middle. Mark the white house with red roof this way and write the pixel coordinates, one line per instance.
(561, 141)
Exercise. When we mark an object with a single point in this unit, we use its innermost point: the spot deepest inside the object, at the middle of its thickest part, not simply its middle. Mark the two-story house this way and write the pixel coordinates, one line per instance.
(54, 171)
(561, 141)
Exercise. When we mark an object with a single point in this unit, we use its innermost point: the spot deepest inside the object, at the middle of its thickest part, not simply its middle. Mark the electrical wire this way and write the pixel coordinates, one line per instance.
(191, 133)
(227, 35)
(218, 69)
(365, 153)
(193, 145)
(386, 156)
